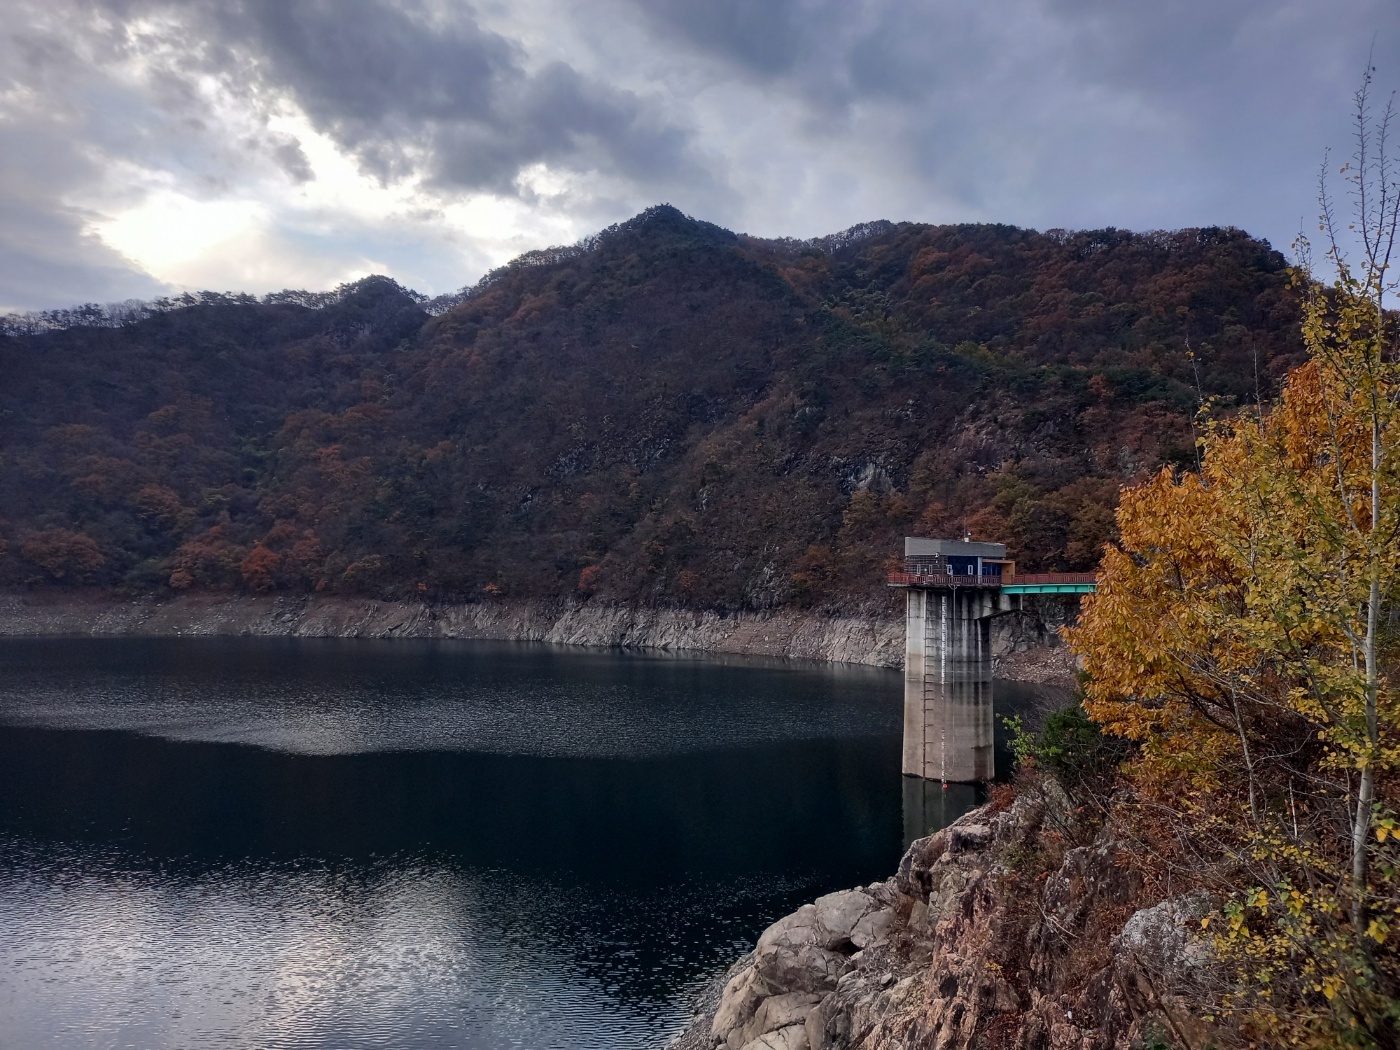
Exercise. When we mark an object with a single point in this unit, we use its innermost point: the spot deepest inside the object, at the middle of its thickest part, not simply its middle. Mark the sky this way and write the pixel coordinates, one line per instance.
(152, 146)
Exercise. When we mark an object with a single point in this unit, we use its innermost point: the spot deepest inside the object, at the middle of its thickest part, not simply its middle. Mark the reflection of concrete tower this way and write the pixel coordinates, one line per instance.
(930, 806)
(952, 591)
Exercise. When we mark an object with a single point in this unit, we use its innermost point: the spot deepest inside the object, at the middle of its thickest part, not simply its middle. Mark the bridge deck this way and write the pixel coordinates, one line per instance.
(1017, 583)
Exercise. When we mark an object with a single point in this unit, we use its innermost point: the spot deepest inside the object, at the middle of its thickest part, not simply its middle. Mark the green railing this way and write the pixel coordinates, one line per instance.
(1010, 583)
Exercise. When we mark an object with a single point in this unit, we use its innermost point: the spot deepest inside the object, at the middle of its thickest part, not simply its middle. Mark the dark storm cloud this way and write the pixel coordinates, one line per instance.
(766, 38)
(1064, 112)
(910, 46)
(913, 50)
(411, 91)
(775, 116)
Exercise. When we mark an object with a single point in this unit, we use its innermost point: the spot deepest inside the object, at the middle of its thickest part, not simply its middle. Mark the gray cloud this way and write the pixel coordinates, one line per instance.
(781, 117)
(47, 260)
(1060, 112)
(408, 90)
(47, 256)
(765, 38)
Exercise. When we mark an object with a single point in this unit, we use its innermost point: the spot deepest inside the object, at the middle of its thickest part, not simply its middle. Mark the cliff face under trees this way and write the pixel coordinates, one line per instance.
(1021, 925)
(668, 414)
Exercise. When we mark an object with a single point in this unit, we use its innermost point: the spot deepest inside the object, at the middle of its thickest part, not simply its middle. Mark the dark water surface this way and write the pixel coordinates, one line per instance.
(333, 843)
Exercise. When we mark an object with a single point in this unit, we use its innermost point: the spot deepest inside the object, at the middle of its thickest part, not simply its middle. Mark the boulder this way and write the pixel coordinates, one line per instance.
(1165, 939)
(773, 1015)
(797, 961)
(873, 928)
(798, 968)
(792, 955)
(741, 997)
(839, 913)
(794, 1037)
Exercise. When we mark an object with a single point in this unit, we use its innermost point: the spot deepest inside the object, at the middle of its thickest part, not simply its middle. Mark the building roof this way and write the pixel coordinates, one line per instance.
(917, 546)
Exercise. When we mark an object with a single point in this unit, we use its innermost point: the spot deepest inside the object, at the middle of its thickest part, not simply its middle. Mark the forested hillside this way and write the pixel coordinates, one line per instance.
(668, 413)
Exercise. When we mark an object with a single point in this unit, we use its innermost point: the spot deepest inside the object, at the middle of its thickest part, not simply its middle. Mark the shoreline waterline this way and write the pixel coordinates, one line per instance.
(874, 639)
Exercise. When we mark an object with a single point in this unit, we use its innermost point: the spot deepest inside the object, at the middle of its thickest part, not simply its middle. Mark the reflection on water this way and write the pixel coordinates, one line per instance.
(333, 696)
(235, 842)
(398, 952)
(930, 805)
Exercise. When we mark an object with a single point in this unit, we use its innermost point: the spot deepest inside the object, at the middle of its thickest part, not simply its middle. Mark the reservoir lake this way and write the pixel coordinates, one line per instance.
(236, 842)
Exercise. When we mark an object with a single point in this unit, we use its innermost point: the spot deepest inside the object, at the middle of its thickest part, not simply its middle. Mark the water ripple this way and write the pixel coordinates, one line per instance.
(332, 696)
(426, 844)
(404, 952)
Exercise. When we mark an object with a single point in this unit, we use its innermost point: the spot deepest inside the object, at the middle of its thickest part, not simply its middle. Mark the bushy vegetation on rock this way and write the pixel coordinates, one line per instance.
(1244, 639)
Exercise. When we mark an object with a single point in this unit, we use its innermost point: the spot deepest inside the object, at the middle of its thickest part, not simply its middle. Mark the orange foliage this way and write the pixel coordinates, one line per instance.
(106, 479)
(66, 556)
(210, 559)
(261, 568)
(365, 572)
(1239, 635)
(669, 398)
(307, 553)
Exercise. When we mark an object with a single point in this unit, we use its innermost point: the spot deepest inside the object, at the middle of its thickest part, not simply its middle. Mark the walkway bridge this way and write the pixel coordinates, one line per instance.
(954, 588)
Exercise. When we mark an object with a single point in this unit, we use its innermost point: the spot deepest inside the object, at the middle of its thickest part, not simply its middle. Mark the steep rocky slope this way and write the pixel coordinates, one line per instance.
(1016, 928)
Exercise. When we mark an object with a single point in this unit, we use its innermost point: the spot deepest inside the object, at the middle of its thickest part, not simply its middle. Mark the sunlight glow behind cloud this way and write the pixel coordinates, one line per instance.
(168, 231)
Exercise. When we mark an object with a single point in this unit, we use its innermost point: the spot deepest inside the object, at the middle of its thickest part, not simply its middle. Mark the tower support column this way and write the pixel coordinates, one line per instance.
(948, 713)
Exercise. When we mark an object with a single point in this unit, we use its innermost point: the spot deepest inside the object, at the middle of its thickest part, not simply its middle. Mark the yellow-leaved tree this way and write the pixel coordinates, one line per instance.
(1245, 634)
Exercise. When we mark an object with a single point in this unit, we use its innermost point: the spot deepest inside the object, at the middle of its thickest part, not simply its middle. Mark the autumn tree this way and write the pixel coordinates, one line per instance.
(66, 556)
(261, 569)
(1244, 633)
(210, 559)
(158, 506)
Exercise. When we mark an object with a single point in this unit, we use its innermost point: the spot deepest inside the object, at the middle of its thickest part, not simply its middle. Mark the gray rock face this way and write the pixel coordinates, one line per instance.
(793, 1037)
(778, 1021)
(742, 996)
(792, 956)
(797, 963)
(863, 639)
(969, 839)
(1165, 938)
(790, 633)
(977, 942)
(839, 913)
(798, 967)
(872, 928)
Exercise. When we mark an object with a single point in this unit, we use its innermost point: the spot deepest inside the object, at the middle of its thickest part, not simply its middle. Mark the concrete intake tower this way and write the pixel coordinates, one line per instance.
(953, 589)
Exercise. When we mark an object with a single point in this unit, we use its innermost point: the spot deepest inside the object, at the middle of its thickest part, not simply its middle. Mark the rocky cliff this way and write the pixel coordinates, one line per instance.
(876, 638)
(1015, 928)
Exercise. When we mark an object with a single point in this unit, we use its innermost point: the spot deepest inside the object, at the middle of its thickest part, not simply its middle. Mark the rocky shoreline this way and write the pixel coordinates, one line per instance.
(1013, 927)
(876, 638)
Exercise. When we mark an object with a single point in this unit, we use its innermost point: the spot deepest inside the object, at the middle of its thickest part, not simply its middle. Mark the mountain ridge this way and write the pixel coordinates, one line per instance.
(667, 412)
